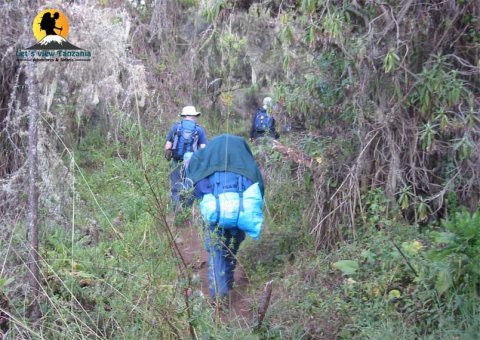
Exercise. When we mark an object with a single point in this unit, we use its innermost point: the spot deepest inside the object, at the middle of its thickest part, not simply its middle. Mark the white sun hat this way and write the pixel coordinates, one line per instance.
(189, 111)
(268, 102)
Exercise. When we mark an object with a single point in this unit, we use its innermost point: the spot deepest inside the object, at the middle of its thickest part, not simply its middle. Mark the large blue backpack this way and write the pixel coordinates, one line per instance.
(233, 202)
(263, 121)
(226, 181)
(185, 139)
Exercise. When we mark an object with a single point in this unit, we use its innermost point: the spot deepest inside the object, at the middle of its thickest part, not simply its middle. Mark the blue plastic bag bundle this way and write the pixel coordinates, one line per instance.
(250, 217)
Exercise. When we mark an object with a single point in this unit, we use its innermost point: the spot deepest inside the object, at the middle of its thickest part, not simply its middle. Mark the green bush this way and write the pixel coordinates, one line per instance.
(457, 253)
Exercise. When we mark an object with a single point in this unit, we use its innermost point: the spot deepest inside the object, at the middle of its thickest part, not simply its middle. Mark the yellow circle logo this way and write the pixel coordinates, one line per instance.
(50, 22)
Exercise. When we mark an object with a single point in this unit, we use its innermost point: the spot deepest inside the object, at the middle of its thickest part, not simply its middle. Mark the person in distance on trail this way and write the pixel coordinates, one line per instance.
(184, 137)
(263, 123)
(227, 179)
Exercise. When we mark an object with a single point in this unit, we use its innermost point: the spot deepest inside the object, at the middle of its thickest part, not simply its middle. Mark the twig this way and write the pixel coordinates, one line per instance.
(263, 305)
(404, 257)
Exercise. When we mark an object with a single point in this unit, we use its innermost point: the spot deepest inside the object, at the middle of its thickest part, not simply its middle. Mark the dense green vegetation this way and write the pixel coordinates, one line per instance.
(123, 278)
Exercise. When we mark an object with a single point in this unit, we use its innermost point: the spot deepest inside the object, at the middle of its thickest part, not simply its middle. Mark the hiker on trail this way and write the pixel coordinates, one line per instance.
(183, 138)
(227, 178)
(263, 123)
(47, 23)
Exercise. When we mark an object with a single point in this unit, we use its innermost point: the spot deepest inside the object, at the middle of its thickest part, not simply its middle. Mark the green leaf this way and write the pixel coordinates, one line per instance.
(423, 209)
(391, 60)
(444, 237)
(286, 34)
(427, 136)
(347, 267)
(369, 256)
(404, 201)
(311, 34)
(464, 148)
(286, 63)
(83, 274)
(394, 294)
(5, 282)
(444, 281)
(309, 6)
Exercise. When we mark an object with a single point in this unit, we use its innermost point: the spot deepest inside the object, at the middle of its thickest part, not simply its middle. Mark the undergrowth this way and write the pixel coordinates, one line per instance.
(393, 281)
(113, 272)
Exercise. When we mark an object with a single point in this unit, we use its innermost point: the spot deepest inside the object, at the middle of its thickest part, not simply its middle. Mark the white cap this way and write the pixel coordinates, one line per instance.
(268, 102)
(189, 111)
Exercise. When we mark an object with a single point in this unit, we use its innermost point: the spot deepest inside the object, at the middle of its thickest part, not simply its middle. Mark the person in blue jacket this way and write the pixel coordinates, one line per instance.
(223, 154)
(184, 137)
(263, 122)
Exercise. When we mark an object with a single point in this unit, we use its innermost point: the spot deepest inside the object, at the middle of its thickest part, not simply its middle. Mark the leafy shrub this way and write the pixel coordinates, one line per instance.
(457, 252)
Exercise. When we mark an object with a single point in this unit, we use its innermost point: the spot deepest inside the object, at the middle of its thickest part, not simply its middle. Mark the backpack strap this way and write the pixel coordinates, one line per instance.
(176, 135)
(181, 145)
(240, 195)
(217, 189)
(195, 138)
(216, 185)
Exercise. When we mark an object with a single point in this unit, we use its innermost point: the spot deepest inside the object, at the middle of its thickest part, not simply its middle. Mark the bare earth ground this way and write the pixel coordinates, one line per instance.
(196, 257)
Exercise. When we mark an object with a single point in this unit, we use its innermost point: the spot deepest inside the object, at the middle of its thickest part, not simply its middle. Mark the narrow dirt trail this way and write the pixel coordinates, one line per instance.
(194, 252)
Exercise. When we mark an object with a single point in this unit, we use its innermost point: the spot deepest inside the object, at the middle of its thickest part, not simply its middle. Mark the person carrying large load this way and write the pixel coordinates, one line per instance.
(227, 178)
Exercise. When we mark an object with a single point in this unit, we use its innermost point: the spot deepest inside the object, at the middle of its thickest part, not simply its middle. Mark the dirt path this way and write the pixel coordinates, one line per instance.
(195, 255)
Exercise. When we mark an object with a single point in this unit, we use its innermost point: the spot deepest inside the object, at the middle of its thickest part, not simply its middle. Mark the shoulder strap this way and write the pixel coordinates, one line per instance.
(196, 129)
(239, 184)
(241, 189)
(176, 135)
(215, 186)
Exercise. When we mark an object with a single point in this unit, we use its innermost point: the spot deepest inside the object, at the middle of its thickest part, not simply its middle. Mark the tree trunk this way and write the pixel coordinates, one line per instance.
(32, 230)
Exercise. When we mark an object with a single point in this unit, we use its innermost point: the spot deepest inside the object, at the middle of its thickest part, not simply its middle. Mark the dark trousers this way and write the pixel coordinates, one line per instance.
(179, 187)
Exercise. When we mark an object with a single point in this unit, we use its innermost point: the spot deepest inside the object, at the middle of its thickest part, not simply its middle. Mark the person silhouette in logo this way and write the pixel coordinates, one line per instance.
(48, 23)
